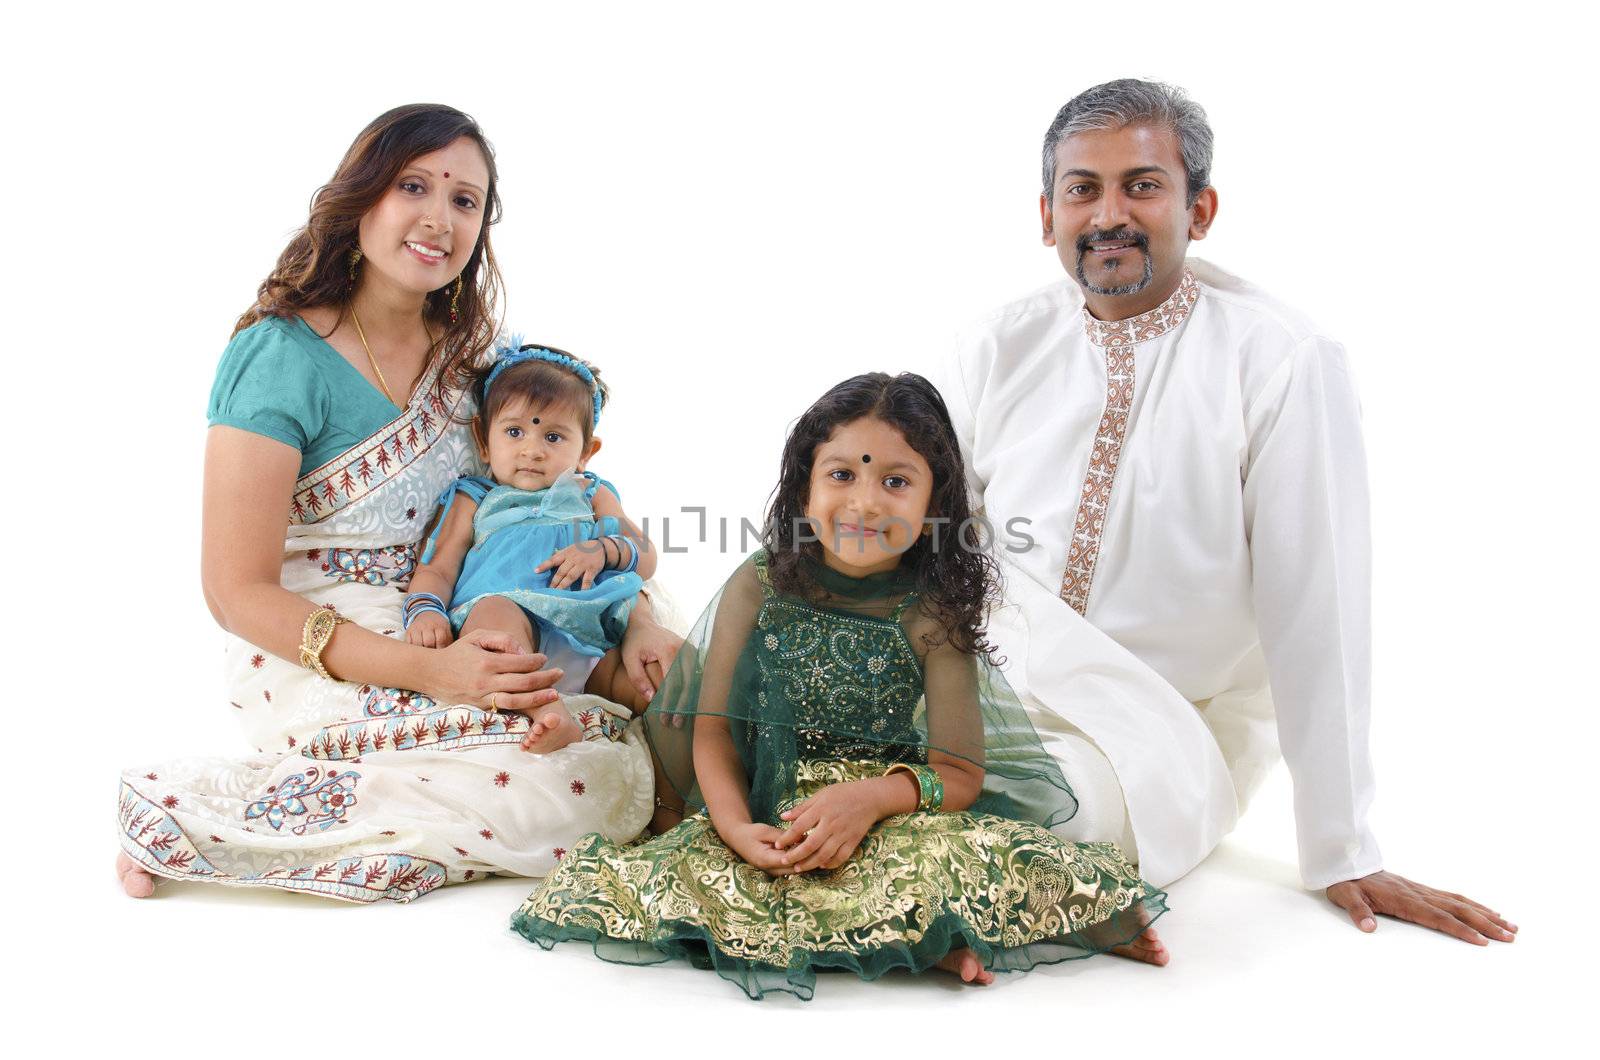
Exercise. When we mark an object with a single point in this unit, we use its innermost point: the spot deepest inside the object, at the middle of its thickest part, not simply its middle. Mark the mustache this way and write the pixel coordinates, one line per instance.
(1119, 235)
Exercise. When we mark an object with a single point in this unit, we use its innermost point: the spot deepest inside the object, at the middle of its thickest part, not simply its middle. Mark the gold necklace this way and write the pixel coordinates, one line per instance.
(382, 383)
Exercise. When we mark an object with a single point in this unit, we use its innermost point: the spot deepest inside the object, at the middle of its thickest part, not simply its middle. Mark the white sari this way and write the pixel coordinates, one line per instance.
(360, 792)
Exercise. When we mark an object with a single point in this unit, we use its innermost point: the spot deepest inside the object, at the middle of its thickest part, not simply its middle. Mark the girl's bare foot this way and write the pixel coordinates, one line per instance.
(136, 882)
(964, 963)
(1147, 947)
(552, 729)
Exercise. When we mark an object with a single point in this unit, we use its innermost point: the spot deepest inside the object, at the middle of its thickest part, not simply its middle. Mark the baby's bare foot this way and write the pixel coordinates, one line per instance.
(1147, 947)
(965, 963)
(552, 729)
(136, 882)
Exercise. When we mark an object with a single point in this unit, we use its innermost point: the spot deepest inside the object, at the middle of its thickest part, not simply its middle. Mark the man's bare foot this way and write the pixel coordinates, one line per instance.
(552, 729)
(964, 963)
(1147, 947)
(136, 882)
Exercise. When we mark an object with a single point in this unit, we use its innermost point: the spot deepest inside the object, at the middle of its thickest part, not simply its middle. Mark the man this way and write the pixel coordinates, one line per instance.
(1185, 455)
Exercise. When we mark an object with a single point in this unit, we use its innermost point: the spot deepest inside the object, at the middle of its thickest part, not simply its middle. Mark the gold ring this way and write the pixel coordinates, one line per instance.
(492, 708)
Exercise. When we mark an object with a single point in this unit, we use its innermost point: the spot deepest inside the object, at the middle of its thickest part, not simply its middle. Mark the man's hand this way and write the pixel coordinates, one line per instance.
(1396, 896)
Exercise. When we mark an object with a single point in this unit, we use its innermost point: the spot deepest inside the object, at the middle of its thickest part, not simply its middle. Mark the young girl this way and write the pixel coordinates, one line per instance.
(874, 795)
(544, 552)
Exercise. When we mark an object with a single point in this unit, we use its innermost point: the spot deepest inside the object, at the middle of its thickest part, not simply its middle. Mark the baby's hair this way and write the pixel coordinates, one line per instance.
(541, 383)
(958, 580)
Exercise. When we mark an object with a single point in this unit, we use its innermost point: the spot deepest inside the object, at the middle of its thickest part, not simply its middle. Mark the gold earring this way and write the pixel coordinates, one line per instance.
(455, 300)
(355, 259)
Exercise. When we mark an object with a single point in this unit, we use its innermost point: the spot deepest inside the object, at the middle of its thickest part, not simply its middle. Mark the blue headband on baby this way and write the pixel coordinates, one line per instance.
(515, 353)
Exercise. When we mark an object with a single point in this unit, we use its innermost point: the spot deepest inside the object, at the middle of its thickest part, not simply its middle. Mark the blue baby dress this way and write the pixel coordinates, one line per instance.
(513, 531)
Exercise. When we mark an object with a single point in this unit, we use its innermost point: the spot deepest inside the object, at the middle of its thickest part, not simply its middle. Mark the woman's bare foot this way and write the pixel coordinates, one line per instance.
(1147, 947)
(552, 729)
(136, 882)
(964, 963)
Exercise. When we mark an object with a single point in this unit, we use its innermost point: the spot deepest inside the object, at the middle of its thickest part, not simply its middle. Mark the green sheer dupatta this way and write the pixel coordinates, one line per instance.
(857, 672)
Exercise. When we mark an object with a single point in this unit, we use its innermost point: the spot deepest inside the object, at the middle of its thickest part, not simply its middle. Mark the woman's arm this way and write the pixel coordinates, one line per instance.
(249, 480)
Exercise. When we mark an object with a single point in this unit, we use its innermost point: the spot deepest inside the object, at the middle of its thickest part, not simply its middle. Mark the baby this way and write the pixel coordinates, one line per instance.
(544, 552)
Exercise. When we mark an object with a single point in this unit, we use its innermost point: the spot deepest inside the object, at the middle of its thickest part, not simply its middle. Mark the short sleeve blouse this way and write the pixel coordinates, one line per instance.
(279, 379)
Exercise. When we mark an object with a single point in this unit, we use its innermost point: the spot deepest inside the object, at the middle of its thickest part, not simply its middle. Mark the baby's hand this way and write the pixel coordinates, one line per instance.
(576, 564)
(430, 630)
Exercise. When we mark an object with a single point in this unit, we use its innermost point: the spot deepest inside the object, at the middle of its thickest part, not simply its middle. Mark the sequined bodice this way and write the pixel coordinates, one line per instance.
(843, 674)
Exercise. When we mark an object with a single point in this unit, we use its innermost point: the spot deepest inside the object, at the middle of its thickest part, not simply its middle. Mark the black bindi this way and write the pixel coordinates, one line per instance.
(866, 458)
(536, 421)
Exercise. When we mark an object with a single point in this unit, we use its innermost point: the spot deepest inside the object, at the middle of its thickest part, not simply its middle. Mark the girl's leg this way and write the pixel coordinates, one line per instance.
(553, 727)
(610, 680)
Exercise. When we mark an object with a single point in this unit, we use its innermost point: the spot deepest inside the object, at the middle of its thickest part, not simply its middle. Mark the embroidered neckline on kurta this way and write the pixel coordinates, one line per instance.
(1118, 338)
(1152, 325)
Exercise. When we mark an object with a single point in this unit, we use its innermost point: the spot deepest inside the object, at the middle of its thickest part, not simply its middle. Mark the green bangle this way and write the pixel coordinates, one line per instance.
(930, 786)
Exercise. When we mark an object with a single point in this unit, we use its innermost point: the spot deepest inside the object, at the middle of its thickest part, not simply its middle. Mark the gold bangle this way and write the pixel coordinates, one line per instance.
(314, 637)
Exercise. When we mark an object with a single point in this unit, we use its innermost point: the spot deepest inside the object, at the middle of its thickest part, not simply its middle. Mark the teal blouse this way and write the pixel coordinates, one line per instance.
(279, 379)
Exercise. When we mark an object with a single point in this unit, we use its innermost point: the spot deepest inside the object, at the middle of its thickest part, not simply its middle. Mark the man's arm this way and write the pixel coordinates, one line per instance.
(1307, 520)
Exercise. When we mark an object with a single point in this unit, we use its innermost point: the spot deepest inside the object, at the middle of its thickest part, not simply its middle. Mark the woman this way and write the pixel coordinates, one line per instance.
(337, 417)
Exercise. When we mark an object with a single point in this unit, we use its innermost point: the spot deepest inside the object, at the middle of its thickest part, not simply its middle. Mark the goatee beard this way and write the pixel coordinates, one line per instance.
(1140, 243)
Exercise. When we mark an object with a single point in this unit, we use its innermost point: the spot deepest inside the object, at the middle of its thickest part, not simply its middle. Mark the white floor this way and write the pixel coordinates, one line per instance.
(1259, 967)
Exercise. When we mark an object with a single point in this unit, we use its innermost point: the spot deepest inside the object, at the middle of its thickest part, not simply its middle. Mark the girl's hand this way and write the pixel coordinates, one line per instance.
(430, 630)
(825, 829)
(485, 669)
(577, 563)
(648, 649)
(755, 843)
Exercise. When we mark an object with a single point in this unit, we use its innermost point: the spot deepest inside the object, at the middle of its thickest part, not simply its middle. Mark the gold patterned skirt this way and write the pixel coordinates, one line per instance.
(918, 886)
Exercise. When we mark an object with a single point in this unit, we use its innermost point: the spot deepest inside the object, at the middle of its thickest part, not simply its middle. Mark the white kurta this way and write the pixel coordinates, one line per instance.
(1194, 486)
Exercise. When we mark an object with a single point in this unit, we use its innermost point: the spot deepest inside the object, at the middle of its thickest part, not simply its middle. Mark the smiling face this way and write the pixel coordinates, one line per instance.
(1120, 219)
(868, 497)
(422, 232)
(529, 444)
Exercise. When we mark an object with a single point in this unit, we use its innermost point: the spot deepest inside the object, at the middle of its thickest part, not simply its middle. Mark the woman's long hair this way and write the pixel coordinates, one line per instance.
(958, 580)
(314, 269)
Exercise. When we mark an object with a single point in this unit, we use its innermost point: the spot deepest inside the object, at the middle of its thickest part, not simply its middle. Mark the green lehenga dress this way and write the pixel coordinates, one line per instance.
(819, 691)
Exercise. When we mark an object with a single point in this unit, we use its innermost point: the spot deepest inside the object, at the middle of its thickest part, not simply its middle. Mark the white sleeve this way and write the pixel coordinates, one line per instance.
(1307, 521)
(951, 381)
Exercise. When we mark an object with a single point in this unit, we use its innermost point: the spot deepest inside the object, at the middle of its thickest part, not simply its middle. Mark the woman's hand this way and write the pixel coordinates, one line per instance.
(755, 843)
(485, 669)
(825, 829)
(430, 630)
(648, 649)
(577, 564)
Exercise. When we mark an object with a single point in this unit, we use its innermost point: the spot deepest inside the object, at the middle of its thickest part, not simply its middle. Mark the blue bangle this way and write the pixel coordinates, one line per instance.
(420, 604)
(633, 547)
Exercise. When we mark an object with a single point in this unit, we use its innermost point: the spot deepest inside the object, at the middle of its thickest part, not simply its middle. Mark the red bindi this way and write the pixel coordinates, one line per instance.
(447, 174)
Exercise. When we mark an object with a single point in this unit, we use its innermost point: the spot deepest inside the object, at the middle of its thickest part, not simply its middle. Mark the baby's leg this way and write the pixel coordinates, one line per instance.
(610, 680)
(502, 616)
(552, 727)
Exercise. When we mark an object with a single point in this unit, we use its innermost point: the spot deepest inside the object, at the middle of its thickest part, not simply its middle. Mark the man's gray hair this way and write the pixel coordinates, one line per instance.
(1128, 101)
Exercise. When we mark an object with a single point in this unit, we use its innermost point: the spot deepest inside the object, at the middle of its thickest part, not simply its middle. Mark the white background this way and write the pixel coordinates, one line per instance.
(729, 208)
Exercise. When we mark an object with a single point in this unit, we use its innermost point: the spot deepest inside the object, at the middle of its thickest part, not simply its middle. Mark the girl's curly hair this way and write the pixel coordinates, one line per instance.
(952, 571)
